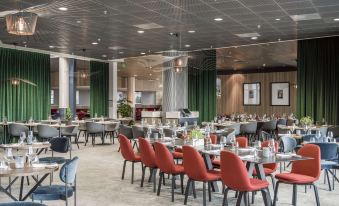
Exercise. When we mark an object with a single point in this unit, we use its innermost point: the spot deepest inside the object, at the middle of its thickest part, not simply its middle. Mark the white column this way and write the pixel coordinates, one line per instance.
(113, 89)
(63, 83)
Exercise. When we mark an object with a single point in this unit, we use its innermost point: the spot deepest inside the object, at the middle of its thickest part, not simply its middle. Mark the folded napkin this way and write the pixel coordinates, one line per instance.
(40, 165)
(247, 157)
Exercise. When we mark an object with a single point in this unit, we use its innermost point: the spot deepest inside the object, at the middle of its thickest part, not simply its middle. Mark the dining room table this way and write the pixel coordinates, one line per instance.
(38, 146)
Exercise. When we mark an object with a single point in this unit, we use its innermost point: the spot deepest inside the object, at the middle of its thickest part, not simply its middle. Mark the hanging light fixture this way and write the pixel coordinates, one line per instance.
(21, 23)
(15, 82)
(180, 63)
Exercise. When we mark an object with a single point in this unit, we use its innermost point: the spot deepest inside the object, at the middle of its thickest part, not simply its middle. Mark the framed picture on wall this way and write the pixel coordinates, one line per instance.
(251, 93)
(280, 94)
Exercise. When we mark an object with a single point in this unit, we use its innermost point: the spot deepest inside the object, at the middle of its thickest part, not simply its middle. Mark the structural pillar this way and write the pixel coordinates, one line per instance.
(113, 89)
(63, 86)
(130, 93)
(72, 85)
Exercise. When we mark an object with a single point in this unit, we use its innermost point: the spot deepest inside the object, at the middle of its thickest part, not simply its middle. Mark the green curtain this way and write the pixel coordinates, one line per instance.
(99, 88)
(318, 79)
(202, 77)
(20, 102)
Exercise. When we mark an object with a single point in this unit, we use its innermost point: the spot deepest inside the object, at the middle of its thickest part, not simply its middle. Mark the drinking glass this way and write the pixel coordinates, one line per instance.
(318, 135)
(22, 137)
(222, 142)
(330, 135)
(149, 132)
(195, 124)
(215, 119)
(161, 132)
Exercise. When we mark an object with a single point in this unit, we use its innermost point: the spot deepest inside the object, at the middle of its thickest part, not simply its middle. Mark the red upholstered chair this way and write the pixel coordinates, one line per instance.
(195, 169)
(304, 172)
(242, 141)
(164, 160)
(147, 154)
(236, 178)
(269, 169)
(128, 154)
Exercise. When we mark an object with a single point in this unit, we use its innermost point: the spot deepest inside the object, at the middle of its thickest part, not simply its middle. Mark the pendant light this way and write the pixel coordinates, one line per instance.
(21, 23)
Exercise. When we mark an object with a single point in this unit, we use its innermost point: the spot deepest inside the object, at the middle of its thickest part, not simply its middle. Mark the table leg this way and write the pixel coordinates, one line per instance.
(34, 188)
(209, 166)
(5, 190)
(21, 187)
(261, 175)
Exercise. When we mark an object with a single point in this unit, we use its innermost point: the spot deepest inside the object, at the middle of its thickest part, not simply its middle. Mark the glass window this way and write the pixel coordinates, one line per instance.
(52, 96)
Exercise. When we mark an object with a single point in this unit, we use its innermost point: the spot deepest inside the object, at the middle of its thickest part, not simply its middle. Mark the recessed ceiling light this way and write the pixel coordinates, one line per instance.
(336, 19)
(141, 31)
(135, 75)
(99, 39)
(78, 21)
(303, 17)
(63, 9)
(258, 26)
(254, 37)
(51, 47)
(264, 65)
(121, 52)
(191, 31)
(247, 35)
(279, 39)
(105, 12)
(150, 74)
(104, 55)
(95, 43)
(24, 42)
(187, 45)
(218, 19)
(142, 53)
(277, 19)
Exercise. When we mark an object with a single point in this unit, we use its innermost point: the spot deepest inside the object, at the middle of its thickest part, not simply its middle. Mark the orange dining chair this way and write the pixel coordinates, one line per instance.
(196, 170)
(147, 154)
(236, 178)
(304, 172)
(128, 154)
(165, 162)
(242, 141)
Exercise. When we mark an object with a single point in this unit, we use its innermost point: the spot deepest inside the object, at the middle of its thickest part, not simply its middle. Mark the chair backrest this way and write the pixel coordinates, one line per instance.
(194, 164)
(126, 148)
(270, 125)
(68, 171)
(214, 138)
(265, 135)
(290, 122)
(82, 126)
(93, 127)
(236, 128)
(272, 166)
(16, 129)
(289, 143)
(68, 129)
(60, 144)
(335, 131)
(45, 131)
(323, 131)
(147, 153)
(168, 132)
(282, 129)
(137, 132)
(242, 141)
(163, 158)
(112, 126)
(236, 176)
(309, 167)
(249, 128)
(328, 150)
(282, 121)
(126, 131)
(308, 137)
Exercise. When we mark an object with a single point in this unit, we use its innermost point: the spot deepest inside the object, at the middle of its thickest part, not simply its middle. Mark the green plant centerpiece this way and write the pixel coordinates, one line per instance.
(68, 115)
(307, 121)
(124, 109)
(196, 134)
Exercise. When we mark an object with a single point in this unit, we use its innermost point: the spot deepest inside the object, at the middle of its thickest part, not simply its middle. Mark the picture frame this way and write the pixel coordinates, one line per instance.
(252, 94)
(280, 93)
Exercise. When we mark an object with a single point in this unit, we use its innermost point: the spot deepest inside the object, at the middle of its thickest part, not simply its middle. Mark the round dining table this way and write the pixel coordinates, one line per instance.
(39, 146)
(21, 173)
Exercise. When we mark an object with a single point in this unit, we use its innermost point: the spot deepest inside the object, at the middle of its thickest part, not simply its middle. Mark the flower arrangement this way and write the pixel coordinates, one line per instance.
(69, 114)
(197, 134)
(306, 120)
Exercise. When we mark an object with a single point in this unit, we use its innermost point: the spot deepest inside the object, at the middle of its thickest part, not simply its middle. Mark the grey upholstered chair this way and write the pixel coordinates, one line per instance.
(323, 131)
(70, 132)
(138, 132)
(15, 130)
(290, 122)
(270, 127)
(335, 131)
(168, 132)
(60, 192)
(112, 130)
(249, 130)
(236, 128)
(289, 144)
(282, 121)
(94, 129)
(82, 128)
(46, 132)
(282, 129)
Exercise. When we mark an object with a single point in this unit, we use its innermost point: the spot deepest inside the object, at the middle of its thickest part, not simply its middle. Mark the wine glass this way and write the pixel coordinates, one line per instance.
(149, 132)
(272, 146)
(22, 137)
(330, 135)
(318, 135)
(161, 132)
(222, 142)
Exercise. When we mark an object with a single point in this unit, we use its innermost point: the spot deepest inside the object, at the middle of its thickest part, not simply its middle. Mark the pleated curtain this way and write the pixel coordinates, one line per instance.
(20, 102)
(318, 79)
(99, 88)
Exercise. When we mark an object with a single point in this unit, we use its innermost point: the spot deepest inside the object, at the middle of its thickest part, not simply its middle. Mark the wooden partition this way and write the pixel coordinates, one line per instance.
(231, 99)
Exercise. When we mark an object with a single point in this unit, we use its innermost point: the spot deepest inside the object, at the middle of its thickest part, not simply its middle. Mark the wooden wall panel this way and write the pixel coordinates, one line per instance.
(231, 99)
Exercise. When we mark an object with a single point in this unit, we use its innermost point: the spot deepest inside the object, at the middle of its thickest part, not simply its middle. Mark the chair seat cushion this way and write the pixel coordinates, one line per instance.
(178, 149)
(58, 160)
(257, 184)
(267, 171)
(52, 192)
(178, 155)
(178, 169)
(216, 162)
(328, 164)
(137, 158)
(295, 178)
(212, 175)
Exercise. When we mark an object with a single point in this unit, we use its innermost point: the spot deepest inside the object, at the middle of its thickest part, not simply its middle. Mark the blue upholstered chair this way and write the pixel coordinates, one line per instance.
(308, 137)
(329, 159)
(59, 145)
(60, 192)
(289, 144)
(22, 204)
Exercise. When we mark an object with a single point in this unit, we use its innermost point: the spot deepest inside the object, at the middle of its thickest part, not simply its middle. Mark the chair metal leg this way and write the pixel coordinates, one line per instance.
(154, 174)
(173, 185)
(266, 197)
(142, 176)
(209, 191)
(273, 181)
(123, 170)
(204, 193)
(187, 190)
(225, 202)
(276, 193)
(294, 200)
(159, 186)
(328, 180)
(193, 189)
(182, 183)
(246, 198)
(316, 194)
(240, 194)
(132, 181)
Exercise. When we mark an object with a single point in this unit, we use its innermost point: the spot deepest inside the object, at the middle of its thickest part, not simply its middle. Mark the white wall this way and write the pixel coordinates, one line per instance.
(148, 98)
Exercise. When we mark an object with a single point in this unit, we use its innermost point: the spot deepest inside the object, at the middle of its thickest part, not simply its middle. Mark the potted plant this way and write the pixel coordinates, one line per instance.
(124, 109)
(68, 115)
(306, 121)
